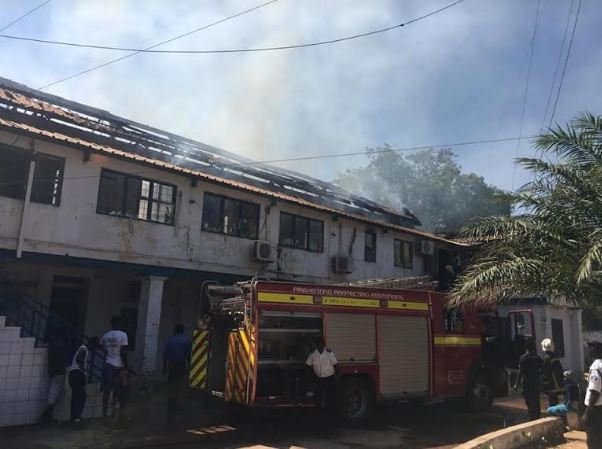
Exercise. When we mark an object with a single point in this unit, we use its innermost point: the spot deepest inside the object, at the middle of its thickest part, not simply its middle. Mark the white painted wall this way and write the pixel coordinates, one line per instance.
(75, 229)
(572, 329)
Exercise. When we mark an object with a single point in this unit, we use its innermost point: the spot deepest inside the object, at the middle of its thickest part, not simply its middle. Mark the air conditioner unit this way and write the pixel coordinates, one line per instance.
(263, 251)
(427, 247)
(342, 264)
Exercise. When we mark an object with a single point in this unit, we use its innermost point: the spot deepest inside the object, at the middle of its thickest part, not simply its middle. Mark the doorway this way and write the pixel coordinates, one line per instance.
(69, 300)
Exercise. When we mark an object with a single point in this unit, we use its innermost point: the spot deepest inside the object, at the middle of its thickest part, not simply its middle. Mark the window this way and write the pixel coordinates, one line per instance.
(370, 246)
(558, 337)
(48, 180)
(14, 166)
(132, 197)
(47, 177)
(404, 254)
(229, 216)
(301, 233)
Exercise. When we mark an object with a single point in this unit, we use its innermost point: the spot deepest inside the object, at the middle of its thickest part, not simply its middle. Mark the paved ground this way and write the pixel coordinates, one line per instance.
(399, 427)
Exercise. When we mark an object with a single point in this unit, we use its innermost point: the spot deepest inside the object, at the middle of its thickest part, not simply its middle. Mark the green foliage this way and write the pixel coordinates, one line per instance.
(428, 183)
(554, 248)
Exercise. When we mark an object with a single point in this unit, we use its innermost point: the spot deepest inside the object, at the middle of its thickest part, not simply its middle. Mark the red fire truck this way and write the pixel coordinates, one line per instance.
(390, 344)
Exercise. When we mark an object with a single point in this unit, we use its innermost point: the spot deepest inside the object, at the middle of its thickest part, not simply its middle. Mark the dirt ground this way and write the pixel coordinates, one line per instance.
(394, 426)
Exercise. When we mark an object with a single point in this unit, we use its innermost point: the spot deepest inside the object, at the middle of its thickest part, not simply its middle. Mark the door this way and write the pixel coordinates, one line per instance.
(521, 329)
(403, 353)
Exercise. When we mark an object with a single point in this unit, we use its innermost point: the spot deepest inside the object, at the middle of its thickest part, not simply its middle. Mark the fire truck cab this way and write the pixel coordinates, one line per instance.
(390, 345)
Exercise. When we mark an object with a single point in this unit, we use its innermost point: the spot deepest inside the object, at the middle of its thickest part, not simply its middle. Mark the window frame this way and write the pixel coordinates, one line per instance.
(59, 181)
(151, 201)
(373, 254)
(239, 206)
(27, 157)
(401, 263)
(309, 221)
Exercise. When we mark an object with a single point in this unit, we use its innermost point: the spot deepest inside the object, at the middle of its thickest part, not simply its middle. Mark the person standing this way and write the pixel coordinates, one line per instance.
(115, 343)
(77, 382)
(592, 418)
(176, 363)
(551, 378)
(323, 362)
(57, 367)
(529, 372)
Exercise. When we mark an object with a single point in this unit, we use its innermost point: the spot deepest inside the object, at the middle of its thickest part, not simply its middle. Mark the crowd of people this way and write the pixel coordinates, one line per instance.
(546, 375)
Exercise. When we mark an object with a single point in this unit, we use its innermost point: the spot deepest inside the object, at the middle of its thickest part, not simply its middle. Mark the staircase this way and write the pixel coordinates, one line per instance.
(26, 328)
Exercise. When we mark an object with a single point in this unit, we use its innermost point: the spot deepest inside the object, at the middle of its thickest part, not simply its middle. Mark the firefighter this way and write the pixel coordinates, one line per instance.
(324, 363)
(529, 371)
(551, 377)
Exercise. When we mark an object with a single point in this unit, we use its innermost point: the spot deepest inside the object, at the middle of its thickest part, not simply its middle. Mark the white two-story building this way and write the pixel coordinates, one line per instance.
(102, 216)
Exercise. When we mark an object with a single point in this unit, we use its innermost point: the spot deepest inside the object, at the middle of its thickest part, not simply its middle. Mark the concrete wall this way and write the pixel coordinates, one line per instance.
(572, 329)
(75, 229)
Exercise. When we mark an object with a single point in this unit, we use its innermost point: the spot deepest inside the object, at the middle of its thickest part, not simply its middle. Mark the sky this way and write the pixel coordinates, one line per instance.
(457, 76)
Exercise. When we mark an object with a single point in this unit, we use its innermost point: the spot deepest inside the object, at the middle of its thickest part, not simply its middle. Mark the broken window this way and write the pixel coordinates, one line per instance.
(133, 197)
(301, 233)
(230, 216)
(404, 254)
(370, 246)
(47, 178)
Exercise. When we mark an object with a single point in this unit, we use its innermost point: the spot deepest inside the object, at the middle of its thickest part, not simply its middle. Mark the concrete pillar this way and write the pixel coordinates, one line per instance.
(149, 318)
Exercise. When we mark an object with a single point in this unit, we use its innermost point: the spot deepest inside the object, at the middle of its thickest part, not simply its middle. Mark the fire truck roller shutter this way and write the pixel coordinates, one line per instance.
(403, 355)
(351, 336)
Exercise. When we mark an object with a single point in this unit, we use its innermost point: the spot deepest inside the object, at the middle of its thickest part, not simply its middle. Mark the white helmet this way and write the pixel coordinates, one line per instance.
(547, 345)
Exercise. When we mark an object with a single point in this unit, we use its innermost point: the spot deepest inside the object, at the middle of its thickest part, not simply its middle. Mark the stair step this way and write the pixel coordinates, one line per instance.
(10, 333)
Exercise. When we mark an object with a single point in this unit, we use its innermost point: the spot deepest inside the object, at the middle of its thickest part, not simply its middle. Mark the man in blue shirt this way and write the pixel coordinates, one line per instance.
(176, 362)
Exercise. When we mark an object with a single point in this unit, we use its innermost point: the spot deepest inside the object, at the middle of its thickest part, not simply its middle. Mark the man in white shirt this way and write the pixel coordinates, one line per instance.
(115, 343)
(323, 362)
(592, 418)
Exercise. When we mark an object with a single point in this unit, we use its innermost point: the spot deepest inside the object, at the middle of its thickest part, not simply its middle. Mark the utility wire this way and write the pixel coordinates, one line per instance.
(325, 156)
(526, 93)
(18, 19)
(148, 49)
(232, 50)
(566, 60)
(558, 61)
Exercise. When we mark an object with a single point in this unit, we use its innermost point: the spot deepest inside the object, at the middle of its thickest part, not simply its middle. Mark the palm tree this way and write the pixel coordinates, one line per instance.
(553, 245)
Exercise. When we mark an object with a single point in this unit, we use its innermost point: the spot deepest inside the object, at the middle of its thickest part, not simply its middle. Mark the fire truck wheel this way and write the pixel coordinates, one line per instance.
(480, 396)
(357, 397)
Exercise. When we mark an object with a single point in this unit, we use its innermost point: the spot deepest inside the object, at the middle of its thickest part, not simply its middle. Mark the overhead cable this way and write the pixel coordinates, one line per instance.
(228, 50)
(558, 61)
(566, 60)
(147, 49)
(18, 19)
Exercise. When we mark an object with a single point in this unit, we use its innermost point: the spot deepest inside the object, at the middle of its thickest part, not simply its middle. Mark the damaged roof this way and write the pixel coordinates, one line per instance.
(49, 117)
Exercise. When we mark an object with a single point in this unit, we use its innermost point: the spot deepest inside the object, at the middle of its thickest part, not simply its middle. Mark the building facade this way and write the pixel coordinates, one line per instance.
(100, 216)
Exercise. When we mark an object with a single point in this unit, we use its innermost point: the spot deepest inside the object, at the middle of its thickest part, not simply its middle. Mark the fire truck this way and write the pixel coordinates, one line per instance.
(390, 344)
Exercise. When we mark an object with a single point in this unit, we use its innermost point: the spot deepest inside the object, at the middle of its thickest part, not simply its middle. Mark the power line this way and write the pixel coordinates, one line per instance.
(566, 60)
(329, 156)
(526, 93)
(564, 36)
(147, 49)
(233, 50)
(18, 19)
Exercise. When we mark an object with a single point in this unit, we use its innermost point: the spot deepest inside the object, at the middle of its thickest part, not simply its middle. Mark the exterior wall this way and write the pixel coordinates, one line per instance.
(75, 229)
(573, 334)
(23, 378)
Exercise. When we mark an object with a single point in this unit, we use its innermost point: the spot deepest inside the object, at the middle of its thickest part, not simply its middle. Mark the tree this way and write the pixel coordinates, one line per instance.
(554, 247)
(429, 183)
